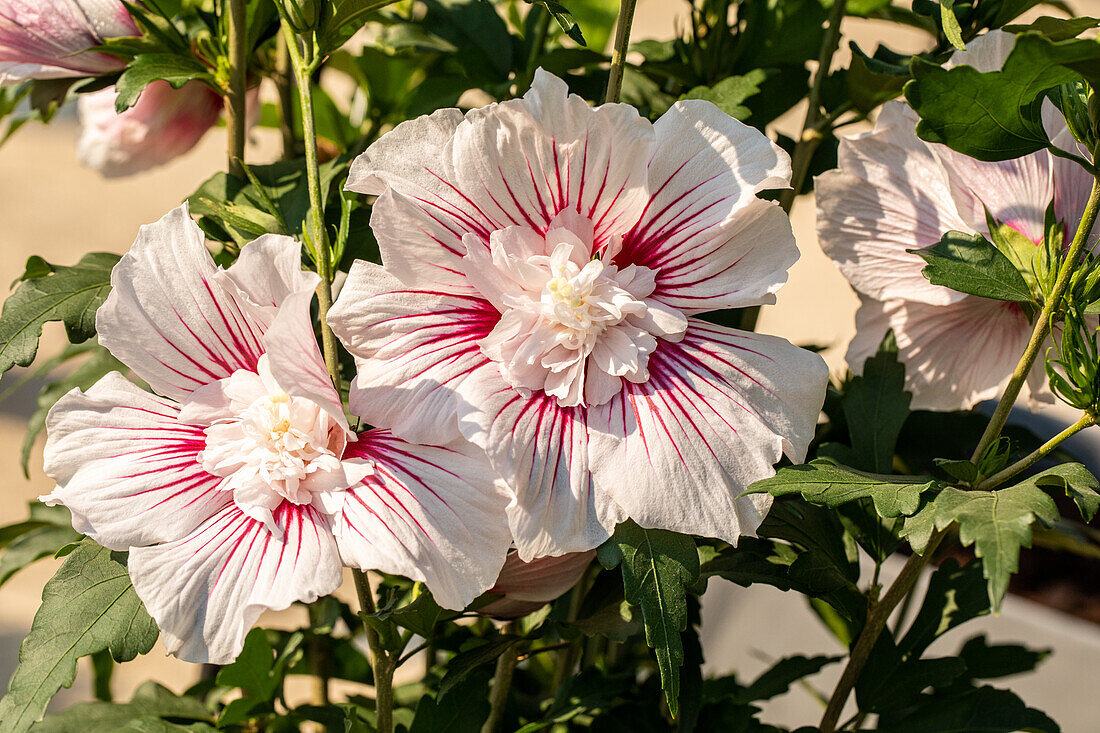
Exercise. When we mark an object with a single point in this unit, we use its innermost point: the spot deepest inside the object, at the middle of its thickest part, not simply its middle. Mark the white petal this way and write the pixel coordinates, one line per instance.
(1016, 192)
(956, 355)
(269, 269)
(1072, 183)
(541, 451)
(707, 167)
(412, 349)
(430, 514)
(740, 262)
(208, 589)
(985, 53)
(719, 410)
(295, 359)
(169, 319)
(527, 586)
(889, 195)
(523, 161)
(125, 467)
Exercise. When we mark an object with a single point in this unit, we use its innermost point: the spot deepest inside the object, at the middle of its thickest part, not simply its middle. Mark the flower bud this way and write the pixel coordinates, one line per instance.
(528, 586)
(48, 39)
(302, 15)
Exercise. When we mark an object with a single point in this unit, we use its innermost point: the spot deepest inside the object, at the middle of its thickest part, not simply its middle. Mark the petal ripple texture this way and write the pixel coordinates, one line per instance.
(49, 39)
(237, 485)
(894, 192)
(544, 267)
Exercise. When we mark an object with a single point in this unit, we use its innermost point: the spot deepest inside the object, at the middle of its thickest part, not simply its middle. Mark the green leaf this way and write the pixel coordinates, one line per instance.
(985, 661)
(463, 711)
(970, 263)
(176, 69)
(998, 523)
(824, 484)
(981, 710)
(462, 665)
(918, 528)
(253, 670)
(589, 692)
(876, 406)
(729, 93)
(1056, 29)
(780, 676)
(147, 711)
(997, 115)
(889, 683)
(67, 294)
(564, 19)
(88, 606)
(658, 567)
(35, 545)
(343, 18)
(955, 595)
(1078, 483)
(950, 24)
(871, 80)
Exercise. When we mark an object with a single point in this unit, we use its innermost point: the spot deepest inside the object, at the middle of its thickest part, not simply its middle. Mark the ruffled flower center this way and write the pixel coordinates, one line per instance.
(270, 447)
(573, 324)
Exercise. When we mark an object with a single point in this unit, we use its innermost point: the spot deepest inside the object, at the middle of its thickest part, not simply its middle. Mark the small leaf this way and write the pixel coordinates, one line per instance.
(460, 667)
(729, 93)
(88, 606)
(970, 263)
(998, 524)
(176, 69)
(67, 294)
(658, 566)
(253, 670)
(827, 485)
(564, 18)
(1056, 29)
(876, 406)
(1078, 483)
(950, 24)
(985, 661)
(780, 676)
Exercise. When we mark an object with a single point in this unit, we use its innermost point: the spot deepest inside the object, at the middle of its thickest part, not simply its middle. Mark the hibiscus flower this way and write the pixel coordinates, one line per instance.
(544, 266)
(237, 485)
(894, 192)
(48, 39)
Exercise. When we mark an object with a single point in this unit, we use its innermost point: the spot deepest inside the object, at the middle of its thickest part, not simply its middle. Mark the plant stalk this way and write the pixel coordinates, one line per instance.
(502, 684)
(811, 135)
(1035, 456)
(316, 236)
(876, 622)
(234, 97)
(284, 85)
(618, 52)
(1042, 326)
(381, 663)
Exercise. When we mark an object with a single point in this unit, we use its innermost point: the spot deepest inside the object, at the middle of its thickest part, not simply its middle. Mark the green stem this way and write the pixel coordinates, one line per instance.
(316, 236)
(1035, 456)
(812, 133)
(1042, 326)
(502, 684)
(381, 663)
(318, 661)
(235, 94)
(618, 53)
(876, 621)
(284, 85)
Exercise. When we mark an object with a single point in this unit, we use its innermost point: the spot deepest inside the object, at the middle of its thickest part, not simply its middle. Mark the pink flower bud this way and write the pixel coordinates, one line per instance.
(527, 586)
(47, 39)
(164, 124)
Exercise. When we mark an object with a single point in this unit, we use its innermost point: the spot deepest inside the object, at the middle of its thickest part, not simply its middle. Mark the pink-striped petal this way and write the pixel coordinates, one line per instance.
(269, 270)
(719, 410)
(523, 161)
(706, 169)
(207, 590)
(541, 451)
(169, 316)
(430, 514)
(738, 263)
(412, 349)
(125, 467)
(889, 195)
(955, 355)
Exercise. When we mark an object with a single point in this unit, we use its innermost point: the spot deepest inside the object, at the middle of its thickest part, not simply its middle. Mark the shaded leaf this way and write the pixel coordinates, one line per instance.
(176, 69)
(147, 711)
(828, 485)
(67, 294)
(729, 93)
(987, 661)
(1074, 479)
(88, 606)
(658, 566)
(970, 263)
